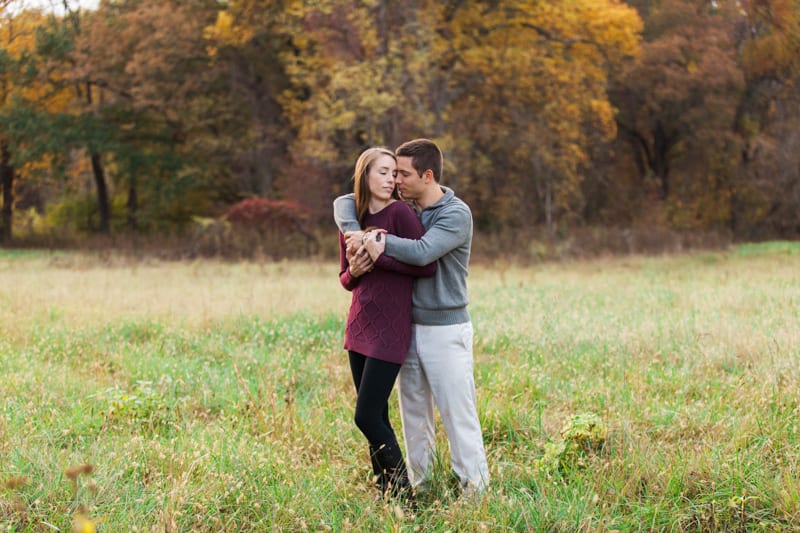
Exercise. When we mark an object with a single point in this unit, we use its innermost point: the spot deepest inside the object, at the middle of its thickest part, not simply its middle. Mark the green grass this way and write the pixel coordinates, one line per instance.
(772, 247)
(216, 397)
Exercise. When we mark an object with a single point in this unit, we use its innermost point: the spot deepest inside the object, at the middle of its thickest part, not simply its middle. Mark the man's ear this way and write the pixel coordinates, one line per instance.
(427, 175)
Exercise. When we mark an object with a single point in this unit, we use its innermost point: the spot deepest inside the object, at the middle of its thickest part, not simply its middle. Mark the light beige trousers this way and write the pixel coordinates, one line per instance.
(439, 370)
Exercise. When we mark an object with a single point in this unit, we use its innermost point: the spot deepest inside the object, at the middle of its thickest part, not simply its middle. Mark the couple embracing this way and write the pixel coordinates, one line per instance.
(408, 320)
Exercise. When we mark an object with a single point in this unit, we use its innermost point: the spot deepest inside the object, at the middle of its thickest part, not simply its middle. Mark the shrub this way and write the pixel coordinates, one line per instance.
(583, 434)
(256, 227)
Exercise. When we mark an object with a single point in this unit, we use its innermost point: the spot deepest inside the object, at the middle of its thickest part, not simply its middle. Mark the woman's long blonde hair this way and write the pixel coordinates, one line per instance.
(360, 182)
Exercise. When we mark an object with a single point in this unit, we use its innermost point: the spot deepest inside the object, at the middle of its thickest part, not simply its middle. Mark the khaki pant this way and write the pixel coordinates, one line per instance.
(439, 370)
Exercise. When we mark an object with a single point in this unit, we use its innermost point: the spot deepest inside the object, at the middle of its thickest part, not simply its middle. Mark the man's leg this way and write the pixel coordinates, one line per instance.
(416, 412)
(446, 356)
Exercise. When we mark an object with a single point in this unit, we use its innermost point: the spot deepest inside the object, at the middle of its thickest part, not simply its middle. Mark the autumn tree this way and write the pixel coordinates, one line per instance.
(768, 193)
(24, 98)
(678, 112)
(528, 84)
(510, 91)
(313, 82)
(677, 107)
(10, 73)
(138, 69)
(249, 43)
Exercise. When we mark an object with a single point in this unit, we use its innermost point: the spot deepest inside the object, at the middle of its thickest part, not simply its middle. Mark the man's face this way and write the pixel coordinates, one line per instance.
(409, 182)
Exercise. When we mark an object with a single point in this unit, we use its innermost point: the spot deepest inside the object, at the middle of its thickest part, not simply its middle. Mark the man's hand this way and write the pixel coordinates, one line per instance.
(360, 262)
(353, 240)
(375, 244)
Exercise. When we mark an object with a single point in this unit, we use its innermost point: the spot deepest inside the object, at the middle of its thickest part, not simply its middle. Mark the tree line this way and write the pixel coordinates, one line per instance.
(142, 115)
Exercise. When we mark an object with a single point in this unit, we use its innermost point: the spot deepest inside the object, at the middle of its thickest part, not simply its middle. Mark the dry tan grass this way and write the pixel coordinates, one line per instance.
(79, 291)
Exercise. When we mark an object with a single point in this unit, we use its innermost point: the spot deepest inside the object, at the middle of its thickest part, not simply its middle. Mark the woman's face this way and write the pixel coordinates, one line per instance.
(380, 177)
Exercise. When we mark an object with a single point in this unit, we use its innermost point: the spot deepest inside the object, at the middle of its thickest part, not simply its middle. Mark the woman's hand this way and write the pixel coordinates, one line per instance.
(360, 263)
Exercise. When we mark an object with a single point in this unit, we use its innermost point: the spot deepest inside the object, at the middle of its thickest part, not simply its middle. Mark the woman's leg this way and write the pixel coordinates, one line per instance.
(371, 417)
(372, 406)
(357, 367)
(357, 362)
(383, 453)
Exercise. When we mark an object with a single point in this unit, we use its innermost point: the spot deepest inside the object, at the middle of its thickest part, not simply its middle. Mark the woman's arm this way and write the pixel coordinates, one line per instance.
(348, 281)
(389, 263)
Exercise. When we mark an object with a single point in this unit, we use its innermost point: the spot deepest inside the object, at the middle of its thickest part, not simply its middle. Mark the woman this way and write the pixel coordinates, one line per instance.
(378, 331)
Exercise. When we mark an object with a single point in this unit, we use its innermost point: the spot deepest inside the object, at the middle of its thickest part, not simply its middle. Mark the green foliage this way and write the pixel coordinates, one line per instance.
(582, 435)
(75, 214)
(142, 404)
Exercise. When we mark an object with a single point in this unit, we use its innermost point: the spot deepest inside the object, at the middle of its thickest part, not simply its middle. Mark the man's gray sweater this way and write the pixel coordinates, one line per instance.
(440, 299)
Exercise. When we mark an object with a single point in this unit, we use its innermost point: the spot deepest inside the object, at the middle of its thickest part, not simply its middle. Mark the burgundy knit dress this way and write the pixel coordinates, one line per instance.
(379, 322)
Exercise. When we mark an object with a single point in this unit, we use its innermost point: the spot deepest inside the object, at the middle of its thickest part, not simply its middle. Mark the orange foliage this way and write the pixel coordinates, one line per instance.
(774, 46)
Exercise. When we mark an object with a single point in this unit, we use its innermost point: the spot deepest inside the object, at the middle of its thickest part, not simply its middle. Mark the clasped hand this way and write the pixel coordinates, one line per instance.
(363, 249)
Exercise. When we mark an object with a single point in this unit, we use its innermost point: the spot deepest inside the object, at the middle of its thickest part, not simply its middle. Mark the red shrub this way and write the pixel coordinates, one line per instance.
(263, 213)
(259, 227)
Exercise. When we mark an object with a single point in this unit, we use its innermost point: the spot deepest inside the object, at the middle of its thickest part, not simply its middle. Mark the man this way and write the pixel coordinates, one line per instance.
(439, 366)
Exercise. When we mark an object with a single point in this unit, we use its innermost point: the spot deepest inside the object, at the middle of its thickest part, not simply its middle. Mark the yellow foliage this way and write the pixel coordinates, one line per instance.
(542, 93)
(775, 48)
(226, 32)
(18, 39)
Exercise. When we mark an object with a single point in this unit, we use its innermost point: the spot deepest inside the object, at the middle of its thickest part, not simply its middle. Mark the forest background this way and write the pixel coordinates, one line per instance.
(227, 127)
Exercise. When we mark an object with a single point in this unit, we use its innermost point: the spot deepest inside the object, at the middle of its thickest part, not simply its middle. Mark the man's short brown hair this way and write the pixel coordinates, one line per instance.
(425, 154)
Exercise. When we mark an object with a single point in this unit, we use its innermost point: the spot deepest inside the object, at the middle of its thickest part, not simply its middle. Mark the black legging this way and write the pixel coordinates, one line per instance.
(374, 380)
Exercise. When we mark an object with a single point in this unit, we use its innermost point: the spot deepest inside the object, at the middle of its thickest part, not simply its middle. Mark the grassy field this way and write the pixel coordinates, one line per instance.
(208, 396)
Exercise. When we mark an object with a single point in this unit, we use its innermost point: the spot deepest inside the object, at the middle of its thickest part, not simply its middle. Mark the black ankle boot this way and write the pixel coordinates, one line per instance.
(393, 481)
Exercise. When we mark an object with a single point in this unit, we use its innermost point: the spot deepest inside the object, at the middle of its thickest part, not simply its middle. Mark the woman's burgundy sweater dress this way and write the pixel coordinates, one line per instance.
(379, 322)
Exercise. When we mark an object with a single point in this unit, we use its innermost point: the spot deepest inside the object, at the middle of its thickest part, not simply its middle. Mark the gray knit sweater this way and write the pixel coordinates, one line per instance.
(441, 299)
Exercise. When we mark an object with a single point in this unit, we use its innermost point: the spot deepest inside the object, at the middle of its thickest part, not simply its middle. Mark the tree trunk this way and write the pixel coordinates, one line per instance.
(653, 158)
(100, 179)
(662, 144)
(7, 177)
(548, 210)
(133, 204)
(102, 194)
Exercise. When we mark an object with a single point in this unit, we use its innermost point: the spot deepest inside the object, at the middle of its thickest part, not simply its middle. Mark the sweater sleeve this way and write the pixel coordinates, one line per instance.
(348, 281)
(408, 226)
(451, 229)
(344, 213)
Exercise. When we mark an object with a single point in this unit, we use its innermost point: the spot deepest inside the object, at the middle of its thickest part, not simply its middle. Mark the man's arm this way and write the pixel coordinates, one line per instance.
(346, 218)
(344, 213)
(406, 225)
(452, 229)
